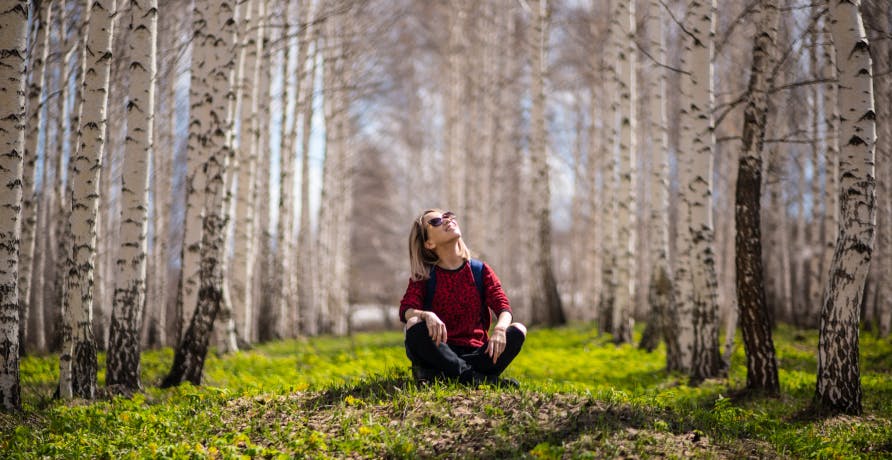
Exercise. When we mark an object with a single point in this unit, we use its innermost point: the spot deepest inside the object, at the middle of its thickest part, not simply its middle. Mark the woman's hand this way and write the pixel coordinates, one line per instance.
(496, 344)
(435, 327)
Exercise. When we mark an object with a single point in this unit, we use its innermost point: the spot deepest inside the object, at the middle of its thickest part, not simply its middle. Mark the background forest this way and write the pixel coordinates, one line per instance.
(252, 168)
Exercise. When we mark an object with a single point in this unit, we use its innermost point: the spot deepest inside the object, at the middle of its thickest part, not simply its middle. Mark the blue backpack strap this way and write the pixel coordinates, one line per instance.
(430, 287)
(477, 270)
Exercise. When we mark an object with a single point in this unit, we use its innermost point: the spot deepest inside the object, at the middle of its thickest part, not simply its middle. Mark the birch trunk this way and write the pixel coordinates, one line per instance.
(38, 56)
(196, 182)
(343, 174)
(213, 63)
(610, 242)
(660, 286)
(627, 212)
(700, 308)
(884, 175)
(544, 299)
(813, 299)
(578, 224)
(262, 299)
(301, 111)
(242, 274)
(595, 233)
(761, 361)
(830, 105)
(86, 166)
(13, 77)
(37, 324)
(305, 292)
(156, 330)
(453, 185)
(284, 247)
(683, 315)
(839, 387)
(130, 290)
(328, 202)
(67, 140)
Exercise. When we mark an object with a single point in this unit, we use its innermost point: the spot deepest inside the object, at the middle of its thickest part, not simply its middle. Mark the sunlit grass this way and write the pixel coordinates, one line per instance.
(581, 396)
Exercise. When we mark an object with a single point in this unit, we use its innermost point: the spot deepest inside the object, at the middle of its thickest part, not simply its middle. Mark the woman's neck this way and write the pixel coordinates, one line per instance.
(450, 256)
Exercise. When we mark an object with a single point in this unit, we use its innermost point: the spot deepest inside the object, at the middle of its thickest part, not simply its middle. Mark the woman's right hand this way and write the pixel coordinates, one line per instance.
(435, 327)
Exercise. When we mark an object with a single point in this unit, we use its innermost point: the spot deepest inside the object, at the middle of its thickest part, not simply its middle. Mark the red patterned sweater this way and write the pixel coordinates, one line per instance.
(457, 303)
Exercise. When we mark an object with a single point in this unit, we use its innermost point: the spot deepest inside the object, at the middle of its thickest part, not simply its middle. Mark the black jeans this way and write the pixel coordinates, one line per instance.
(457, 361)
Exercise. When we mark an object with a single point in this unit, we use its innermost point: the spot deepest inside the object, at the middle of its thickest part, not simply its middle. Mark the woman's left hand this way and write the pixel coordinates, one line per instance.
(496, 344)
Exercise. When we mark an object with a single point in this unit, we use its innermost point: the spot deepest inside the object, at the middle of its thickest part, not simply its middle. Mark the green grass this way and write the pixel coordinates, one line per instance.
(581, 397)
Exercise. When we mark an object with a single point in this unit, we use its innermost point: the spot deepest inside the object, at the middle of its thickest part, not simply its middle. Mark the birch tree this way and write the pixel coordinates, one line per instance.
(213, 68)
(13, 41)
(130, 290)
(305, 291)
(453, 187)
(761, 362)
(242, 274)
(660, 286)
(839, 386)
(544, 300)
(38, 55)
(627, 212)
(878, 20)
(697, 303)
(608, 212)
(78, 372)
(284, 240)
(190, 261)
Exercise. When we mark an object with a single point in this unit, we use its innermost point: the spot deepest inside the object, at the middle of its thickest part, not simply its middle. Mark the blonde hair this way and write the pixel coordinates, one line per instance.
(421, 259)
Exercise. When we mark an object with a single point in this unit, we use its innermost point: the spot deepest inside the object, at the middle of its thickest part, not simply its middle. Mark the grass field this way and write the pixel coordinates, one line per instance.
(580, 397)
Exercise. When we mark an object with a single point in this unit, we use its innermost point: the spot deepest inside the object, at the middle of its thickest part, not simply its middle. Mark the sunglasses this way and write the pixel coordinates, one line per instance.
(438, 221)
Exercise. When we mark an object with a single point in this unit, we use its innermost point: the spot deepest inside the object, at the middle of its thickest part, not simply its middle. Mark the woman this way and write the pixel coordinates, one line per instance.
(447, 306)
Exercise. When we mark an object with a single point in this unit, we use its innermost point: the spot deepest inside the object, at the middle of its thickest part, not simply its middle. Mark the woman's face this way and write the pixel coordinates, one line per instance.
(441, 227)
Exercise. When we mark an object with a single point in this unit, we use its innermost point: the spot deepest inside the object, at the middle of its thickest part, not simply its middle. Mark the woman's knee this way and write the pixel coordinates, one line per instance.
(412, 321)
(416, 329)
(520, 328)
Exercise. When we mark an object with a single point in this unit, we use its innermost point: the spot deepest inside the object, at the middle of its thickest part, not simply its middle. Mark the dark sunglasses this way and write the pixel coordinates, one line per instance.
(438, 221)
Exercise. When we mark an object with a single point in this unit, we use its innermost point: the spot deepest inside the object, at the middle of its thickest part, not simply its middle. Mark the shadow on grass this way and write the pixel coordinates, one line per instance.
(371, 389)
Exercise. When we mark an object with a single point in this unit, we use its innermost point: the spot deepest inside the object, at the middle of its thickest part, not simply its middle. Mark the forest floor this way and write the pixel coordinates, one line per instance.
(580, 397)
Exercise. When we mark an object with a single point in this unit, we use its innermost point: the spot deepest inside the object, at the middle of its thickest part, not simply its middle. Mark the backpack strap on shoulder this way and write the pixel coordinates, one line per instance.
(430, 287)
(477, 270)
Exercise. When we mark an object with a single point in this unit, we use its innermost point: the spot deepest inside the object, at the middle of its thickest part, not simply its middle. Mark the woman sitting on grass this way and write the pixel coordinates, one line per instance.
(447, 306)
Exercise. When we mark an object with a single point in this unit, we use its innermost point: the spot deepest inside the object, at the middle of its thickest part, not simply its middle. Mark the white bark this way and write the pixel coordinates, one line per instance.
(196, 181)
(263, 288)
(839, 386)
(86, 165)
(544, 298)
(284, 242)
(813, 299)
(13, 41)
(305, 249)
(39, 49)
(130, 284)
(242, 273)
(610, 189)
(627, 209)
(660, 284)
(830, 215)
(213, 64)
(697, 302)
(453, 186)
